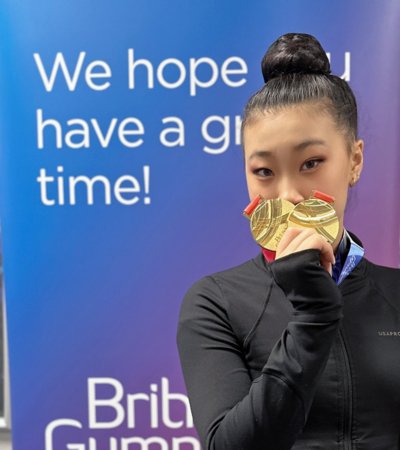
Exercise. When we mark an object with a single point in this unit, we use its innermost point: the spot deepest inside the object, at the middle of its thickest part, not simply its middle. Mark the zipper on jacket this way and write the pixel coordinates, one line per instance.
(348, 396)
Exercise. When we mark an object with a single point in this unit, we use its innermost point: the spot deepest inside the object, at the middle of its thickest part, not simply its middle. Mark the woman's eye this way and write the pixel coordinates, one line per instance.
(263, 172)
(312, 163)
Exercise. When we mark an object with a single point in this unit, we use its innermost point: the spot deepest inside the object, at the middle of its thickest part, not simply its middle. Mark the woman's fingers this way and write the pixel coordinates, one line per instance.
(294, 239)
(298, 239)
(287, 237)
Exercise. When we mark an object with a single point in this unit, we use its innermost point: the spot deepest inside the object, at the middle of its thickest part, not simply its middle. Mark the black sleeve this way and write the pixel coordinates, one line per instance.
(232, 412)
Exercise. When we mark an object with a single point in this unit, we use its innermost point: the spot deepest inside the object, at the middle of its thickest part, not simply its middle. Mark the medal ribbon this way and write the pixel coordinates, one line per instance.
(353, 257)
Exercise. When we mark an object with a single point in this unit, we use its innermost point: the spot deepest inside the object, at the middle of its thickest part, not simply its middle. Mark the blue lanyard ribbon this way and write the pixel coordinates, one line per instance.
(354, 256)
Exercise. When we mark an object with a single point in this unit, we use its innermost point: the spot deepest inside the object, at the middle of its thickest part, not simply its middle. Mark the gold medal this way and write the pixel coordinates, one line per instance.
(269, 219)
(318, 214)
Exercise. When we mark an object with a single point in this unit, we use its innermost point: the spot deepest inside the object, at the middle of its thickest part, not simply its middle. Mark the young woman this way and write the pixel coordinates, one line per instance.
(301, 349)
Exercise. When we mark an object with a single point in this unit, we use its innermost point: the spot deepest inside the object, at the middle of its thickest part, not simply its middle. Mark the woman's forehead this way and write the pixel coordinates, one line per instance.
(293, 125)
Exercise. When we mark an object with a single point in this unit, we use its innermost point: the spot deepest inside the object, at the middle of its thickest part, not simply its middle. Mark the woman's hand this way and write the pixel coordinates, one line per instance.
(297, 239)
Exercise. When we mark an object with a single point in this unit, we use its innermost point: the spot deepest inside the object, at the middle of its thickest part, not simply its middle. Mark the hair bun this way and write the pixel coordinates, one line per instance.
(294, 53)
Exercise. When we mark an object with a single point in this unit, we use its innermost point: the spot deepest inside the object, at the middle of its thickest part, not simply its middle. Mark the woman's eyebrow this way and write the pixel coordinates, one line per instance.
(301, 146)
(309, 142)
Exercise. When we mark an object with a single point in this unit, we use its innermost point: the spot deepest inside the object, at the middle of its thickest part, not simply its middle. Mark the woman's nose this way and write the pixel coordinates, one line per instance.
(289, 192)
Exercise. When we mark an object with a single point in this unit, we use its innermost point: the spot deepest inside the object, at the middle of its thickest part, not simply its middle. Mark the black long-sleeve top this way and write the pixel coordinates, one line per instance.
(277, 356)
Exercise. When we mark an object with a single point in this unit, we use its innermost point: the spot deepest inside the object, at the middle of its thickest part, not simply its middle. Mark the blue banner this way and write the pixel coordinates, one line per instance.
(122, 183)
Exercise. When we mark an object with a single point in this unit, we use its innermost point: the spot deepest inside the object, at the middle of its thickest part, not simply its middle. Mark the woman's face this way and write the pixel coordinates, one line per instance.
(290, 152)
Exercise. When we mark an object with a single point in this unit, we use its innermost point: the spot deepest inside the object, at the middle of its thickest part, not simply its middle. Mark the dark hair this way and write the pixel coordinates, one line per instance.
(296, 70)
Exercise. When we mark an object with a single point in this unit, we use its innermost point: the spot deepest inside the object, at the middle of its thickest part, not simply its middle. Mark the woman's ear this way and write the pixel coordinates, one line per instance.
(357, 159)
